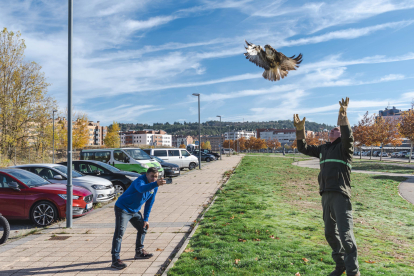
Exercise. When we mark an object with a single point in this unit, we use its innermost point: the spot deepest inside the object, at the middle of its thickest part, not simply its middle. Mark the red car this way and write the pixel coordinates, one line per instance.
(25, 195)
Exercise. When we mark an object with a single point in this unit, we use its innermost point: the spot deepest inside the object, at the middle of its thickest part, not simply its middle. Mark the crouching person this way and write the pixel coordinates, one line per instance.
(127, 208)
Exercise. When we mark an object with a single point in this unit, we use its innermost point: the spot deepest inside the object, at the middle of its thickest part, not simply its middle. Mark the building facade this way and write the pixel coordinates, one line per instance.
(178, 140)
(285, 136)
(392, 114)
(146, 137)
(97, 133)
(234, 135)
(215, 141)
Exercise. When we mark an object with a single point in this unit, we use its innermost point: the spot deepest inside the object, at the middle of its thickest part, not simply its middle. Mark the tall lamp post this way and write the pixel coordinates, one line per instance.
(221, 136)
(69, 187)
(228, 138)
(199, 131)
(53, 116)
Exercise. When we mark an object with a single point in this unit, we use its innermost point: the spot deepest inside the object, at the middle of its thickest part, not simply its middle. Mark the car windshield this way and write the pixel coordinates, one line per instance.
(64, 170)
(108, 167)
(156, 158)
(138, 154)
(28, 178)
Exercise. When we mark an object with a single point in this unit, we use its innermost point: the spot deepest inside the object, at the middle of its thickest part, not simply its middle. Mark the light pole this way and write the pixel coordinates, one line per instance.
(221, 136)
(69, 187)
(228, 138)
(53, 117)
(120, 139)
(199, 131)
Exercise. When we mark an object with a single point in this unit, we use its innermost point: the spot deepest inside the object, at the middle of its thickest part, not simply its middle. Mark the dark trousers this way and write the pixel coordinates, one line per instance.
(121, 220)
(337, 215)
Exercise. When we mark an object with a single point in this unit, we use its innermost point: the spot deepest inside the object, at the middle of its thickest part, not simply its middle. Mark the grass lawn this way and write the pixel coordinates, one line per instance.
(380, 167)
(267, 220)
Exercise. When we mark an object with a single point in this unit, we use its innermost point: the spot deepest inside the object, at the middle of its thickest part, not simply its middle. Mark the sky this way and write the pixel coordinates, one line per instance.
(140, 61)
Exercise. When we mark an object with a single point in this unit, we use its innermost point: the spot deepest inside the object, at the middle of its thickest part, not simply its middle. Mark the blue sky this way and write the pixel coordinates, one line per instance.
(140, 61)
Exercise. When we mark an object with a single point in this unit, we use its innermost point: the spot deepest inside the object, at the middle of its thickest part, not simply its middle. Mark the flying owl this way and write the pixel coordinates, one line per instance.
(275, 63)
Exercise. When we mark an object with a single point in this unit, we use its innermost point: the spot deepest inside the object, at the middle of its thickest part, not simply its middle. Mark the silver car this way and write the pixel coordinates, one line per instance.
(101, 189)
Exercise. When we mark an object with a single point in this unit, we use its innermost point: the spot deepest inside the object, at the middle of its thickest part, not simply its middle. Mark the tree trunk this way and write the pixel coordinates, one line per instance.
(370, 157)
(360, 153)
(381, 152)
(411, 152)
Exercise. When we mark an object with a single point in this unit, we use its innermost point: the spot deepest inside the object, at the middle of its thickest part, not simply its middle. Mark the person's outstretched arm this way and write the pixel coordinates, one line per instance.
(303, 147)
(346, 132)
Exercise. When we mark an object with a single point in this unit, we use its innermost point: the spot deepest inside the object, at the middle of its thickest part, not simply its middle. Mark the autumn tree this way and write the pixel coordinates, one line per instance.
(182, 146)
(294, 144)
(202, 145)
(273, 144)
(406, 127)
(23, 93)
(228, 144)
(112, 139)
(386, 132)
(242, 143)
(207, 145)
(363, 132)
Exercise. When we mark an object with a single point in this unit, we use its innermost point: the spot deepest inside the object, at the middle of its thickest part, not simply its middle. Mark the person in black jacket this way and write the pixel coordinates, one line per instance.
(335, 158)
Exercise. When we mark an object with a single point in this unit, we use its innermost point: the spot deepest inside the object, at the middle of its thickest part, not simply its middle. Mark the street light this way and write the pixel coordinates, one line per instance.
(228, 138)
(53, 116)
(199, 131)
(221, 136)
(69, 187)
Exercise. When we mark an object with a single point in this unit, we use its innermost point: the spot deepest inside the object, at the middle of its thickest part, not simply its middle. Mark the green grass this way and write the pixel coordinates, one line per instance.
(380, 167)
(270, 197)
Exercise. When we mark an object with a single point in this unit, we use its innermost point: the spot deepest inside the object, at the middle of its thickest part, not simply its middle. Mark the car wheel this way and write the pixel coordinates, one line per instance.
(43, 213)
(208, 160)
(4, 229)
(192, 166)
(119, 188)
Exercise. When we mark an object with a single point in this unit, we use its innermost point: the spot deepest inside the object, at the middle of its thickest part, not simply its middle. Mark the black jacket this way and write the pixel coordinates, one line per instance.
(335, 162)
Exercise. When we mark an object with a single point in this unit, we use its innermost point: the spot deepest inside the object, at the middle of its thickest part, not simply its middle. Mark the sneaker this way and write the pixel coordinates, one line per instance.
(143, 255)
(338, 271)
(118, 264)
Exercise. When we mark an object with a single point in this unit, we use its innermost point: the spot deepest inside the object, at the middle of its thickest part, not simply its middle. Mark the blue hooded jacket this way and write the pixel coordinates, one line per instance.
(140, 192)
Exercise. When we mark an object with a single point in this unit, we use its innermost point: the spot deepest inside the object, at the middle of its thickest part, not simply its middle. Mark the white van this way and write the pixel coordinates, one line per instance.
(131, 160)
(180, 157)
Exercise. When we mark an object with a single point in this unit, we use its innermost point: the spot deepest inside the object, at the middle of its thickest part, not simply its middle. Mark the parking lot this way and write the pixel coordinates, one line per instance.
(85, 249)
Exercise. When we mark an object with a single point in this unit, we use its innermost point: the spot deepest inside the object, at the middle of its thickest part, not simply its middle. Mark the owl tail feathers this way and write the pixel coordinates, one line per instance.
(274, 74)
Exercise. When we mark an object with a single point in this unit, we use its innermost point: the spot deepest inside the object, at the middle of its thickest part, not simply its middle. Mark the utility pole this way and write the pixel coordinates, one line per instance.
(221, 136)
(53, 118)
(69, 187)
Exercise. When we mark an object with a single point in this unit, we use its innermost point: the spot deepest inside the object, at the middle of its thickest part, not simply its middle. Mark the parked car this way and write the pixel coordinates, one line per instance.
(101, 189)
(402, 154)
(227, 150)
(25, 195)
(215, 154)
(180, 157)
(120, 179)
(204, 156)
(394, 154)
(131, 159)
(170, 169)
(384, 154)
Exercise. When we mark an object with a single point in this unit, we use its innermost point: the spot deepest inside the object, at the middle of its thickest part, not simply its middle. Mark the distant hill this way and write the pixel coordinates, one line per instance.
(215, 128)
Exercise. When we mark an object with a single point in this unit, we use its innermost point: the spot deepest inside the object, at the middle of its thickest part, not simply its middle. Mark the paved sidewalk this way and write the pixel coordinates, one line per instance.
(86, 251)
(406, 188)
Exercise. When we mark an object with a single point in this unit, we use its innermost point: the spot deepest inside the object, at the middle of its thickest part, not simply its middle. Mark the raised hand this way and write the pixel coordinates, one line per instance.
(299, 125)
(342, 118)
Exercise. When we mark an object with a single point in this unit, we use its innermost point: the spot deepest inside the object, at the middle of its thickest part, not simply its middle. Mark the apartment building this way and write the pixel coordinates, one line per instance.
(234, 135)
(97, 133)
(285, 136)
(178, 140)
(215, 141)
(146, 137)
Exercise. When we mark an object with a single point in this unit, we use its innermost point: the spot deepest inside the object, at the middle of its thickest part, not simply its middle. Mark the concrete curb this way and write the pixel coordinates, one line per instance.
(187, 240)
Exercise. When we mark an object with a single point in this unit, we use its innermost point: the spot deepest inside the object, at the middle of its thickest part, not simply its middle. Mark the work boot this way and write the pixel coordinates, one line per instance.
(358, 274)
(142, 254)
(118, 264)
(338, 271)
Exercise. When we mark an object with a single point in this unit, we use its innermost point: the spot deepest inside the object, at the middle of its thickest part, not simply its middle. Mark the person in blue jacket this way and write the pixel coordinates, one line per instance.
(127, 208)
